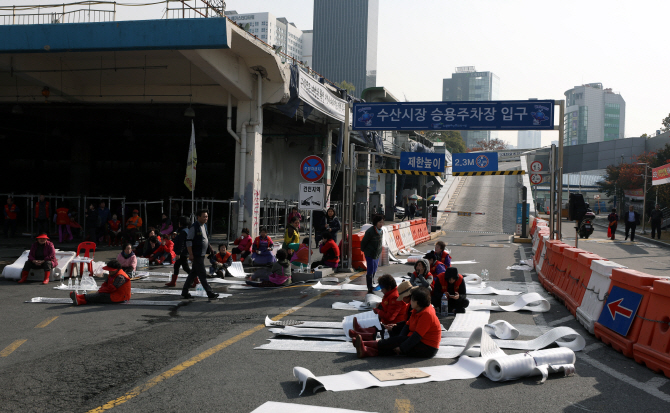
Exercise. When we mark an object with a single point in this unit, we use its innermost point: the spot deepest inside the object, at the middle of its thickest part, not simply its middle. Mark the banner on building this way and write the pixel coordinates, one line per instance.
(191, 162)
(636, 194)
(660, 175)
(316, 95)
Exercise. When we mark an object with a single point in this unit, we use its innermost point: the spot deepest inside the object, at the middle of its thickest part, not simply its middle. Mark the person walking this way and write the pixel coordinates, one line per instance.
(42, 215)
(181, 257)
(613, 219)
(197, 244)
(632, 220)
(655, 219)
(371, 245)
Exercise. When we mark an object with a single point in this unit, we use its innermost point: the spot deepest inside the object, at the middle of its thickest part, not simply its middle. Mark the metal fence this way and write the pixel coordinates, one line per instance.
(77, 12)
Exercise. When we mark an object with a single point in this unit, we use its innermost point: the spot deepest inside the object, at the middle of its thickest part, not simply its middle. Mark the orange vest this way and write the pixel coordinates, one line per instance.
(444, 283)
(122, 293)
(134, 222)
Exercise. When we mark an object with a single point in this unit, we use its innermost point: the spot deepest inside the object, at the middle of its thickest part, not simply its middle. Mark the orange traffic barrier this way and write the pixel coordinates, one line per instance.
(548, 263)
(653, 344)
(397, 237)
(540, 246)
(565, 273)
(578, 280)
(555, 265)
(414, 229)
(637, 282)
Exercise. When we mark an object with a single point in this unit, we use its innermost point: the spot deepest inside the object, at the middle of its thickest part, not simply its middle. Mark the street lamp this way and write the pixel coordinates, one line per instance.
(644, 199)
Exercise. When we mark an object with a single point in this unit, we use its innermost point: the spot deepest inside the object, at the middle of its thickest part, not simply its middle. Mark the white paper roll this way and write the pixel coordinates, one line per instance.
(533, 363)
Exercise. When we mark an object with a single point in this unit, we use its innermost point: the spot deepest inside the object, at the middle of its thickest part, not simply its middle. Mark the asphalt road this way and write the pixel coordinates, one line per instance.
(201, 355)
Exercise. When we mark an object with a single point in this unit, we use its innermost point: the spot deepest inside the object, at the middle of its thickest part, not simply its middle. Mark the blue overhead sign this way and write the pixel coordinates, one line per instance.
(483, 115)
(619, 311)
(422, 161)
(474, 162)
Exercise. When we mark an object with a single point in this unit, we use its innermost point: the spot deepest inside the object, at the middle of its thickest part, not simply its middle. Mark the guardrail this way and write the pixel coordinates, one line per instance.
(78, 12)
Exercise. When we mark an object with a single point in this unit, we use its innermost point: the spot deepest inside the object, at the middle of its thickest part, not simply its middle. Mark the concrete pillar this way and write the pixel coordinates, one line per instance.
(363, 185)
(327, 160)
(251, 193)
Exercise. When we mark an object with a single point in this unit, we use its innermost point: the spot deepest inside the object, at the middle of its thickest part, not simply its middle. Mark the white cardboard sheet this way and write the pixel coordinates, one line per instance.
(277, 407)
(523, 303)
(48, 300)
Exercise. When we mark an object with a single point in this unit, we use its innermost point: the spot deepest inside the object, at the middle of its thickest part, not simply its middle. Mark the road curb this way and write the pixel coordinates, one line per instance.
(651, 240)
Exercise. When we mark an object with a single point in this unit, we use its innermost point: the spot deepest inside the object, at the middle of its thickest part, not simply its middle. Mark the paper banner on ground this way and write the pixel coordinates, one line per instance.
(236, 270)
(48, 300)
(276, 407)
(562, 336)
(490, 291)
(371, 301)
(501, 329)
(305, 324)
(523, 303)
(531, 364)
(365, 320)
(347, 286)
(320, 333)
(156, 291)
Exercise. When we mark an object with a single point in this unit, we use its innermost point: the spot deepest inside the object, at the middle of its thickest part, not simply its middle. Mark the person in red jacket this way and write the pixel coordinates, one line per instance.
(11, 211)
(390, 310)
(42, 215)
(220, 262)
(113, 231)
(419, 338)
(451, 283)
(116, 289)
(441, 254)
(42, 256)
(330, 251)
(243, 248)
(63, 222)
(164, 254)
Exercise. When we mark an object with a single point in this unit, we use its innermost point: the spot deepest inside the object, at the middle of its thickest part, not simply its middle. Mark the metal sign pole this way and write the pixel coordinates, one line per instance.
(311, 222)
(552, 184)
(561, 129)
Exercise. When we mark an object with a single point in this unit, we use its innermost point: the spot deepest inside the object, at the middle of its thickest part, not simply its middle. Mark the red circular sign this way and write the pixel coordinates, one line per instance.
(312, 168)
(536, 179)
(536, 166)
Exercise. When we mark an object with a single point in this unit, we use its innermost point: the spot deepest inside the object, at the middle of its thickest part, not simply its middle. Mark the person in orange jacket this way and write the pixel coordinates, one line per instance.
(63, 223)
(221, 261)
(390, 310)
(133, 225)
(330, 251)
(42, 215)
(116, 289)
(11, 211)
(165, 253)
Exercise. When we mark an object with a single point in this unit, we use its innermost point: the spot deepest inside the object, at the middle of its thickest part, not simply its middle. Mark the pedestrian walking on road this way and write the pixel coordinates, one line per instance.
(632, 220)
(613, 219)
(655, 219)
(181, 252)
(371, 245)
(197, 244)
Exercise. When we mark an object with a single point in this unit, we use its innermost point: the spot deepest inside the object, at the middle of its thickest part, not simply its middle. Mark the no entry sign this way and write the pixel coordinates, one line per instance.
(312, 168)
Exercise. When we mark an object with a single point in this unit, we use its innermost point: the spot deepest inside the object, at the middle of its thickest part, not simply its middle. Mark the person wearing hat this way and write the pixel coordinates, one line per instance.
(116, 289)
(436, 266)
(420, 337)
(421, 277)
(451, 283)
(404, 295)
(133, 225)
(42, 255)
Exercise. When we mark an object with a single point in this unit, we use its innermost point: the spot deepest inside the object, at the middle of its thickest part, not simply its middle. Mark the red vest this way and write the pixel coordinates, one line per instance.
(444, 283)
(116, 294)
(223, 259)
(114, 226)
(61, 216)
(38, 205)
(10, 211)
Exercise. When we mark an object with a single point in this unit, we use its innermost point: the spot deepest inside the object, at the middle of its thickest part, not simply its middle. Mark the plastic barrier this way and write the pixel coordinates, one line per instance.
(595, 293)
(578, 280)
(565, 273)
(545, 263)
(406, 235)
(62, 270)
(653, 344)
(397, 237)
(357, 256)
(637, 282)
(389, 241)
(553, 258)
(414, 229)
(557, 269)
(538, 259)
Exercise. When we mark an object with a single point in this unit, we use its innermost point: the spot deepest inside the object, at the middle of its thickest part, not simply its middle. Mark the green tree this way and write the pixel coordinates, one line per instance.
(452, 139)
(492, 145)
(666, 124)
(349, 87)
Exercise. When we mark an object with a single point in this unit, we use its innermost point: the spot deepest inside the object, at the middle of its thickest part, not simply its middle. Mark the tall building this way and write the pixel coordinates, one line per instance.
(345, 41)
(593, 114)
(529, 139)
(275, 32)
(468, 84)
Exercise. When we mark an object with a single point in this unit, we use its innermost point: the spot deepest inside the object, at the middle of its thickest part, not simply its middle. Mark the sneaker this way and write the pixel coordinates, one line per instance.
(212, 296)
(73, 297)
(187, 296)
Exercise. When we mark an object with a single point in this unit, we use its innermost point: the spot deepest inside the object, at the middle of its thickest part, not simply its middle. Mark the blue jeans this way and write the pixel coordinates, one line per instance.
(372, 269)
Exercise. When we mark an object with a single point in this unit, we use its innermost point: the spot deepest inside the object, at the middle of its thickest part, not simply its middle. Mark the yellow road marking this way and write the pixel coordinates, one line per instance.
(10, 348)
(403, 406)
(46, 322)
(200, 357)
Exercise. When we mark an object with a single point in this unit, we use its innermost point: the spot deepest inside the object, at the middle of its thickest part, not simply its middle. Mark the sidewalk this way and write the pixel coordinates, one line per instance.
(663, 242)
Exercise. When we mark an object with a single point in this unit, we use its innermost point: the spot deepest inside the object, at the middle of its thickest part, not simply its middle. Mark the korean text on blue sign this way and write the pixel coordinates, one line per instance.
(483, 115)
(426, 162)
(474, 162)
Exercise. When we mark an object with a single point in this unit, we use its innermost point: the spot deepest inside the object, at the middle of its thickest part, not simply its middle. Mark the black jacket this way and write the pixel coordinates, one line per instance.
(180, 242)
(656, 216)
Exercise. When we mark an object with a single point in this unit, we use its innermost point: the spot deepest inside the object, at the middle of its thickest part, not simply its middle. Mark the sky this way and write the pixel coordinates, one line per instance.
(538, 49)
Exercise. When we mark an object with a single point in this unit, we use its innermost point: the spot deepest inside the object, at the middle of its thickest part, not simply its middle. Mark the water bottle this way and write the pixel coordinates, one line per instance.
(445, 304)
(486, 274)
(482, 275)
(69, 283)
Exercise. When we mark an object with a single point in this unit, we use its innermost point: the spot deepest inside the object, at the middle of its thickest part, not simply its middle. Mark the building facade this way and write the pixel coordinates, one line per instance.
(529, 139)
(345, 41)
(275, 32)
(593, 114)
(467, 84)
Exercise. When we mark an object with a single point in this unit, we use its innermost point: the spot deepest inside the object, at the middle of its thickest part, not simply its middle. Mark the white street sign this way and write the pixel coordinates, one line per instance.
(312, 196)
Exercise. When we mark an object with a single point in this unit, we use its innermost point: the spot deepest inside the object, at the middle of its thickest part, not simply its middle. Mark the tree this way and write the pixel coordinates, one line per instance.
(349, 87)
(452, 139)
(644, 135)
(492, 145)
(666, 124)
(625, 176)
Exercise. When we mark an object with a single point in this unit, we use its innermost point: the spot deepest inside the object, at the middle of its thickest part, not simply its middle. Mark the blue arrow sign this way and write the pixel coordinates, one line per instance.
(619, 311)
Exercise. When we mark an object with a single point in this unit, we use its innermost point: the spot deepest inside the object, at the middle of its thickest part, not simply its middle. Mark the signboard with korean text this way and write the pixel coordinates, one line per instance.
(474, 162)
(660, 175)
(636, 194)
(312, 196)
(420, 161)
(481, 115)
(319, 97)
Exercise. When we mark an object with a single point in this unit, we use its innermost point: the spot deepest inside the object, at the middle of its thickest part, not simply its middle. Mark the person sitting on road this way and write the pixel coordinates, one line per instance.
(152, 248)
(291, 236)
(165, 254)
(300, 258)
(436, 267)
(166, 225)
(262, 248)
(144, 247)
(391, 310)
(451, 283)
(421, 277)
(404, 297)
(113, 231)
(442, 254)
(42, 256)
(420, 337)
(278, 274)
(243, 248)
(133, 226)
(330, 251)
(116, 289)
(221, 261)
(127, 258)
